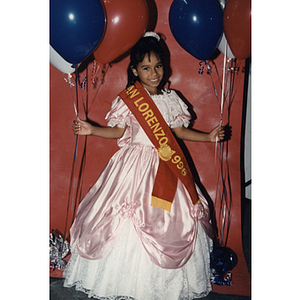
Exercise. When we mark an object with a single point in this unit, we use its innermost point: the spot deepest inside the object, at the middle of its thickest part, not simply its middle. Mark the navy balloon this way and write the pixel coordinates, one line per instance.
(222, 259)
(76, 28)
(197, 26)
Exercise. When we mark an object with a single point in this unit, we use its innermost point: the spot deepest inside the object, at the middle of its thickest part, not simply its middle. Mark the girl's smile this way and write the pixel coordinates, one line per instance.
(150, 72)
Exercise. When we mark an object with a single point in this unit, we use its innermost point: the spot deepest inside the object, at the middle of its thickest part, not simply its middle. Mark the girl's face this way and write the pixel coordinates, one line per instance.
(150, 72)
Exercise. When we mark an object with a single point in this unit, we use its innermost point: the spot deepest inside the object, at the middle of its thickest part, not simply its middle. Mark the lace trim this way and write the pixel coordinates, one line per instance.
(78, 287)
(120, 122)
(179, 122)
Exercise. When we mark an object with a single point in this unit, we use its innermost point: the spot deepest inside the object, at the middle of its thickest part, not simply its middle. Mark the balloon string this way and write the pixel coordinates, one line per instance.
(216, 145)
(221, 121)
(71, 84)
(223, 85)
(74, 163)
(217, 174)
(224, 196)
(96, 68)
(71, 187)
(76, 143)
(76, 85)
(221, 191)
(209, 71)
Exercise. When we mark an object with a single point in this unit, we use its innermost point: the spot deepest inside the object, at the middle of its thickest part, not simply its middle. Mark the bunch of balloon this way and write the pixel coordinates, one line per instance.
(127, 20)
(237, 27)
(76, 29)
(197, 26)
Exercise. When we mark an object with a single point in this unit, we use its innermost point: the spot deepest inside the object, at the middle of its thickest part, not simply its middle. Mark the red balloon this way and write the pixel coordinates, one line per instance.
(126, 21)
(237, 27)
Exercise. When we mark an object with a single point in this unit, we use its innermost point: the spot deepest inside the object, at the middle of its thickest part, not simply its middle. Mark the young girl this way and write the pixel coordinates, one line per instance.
(143, 231)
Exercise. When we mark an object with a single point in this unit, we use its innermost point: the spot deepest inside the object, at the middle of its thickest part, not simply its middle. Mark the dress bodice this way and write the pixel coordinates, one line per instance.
(172, 108)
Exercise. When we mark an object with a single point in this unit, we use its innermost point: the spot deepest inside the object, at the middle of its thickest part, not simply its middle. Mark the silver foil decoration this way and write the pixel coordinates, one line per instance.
(58, 250)
(224, 279)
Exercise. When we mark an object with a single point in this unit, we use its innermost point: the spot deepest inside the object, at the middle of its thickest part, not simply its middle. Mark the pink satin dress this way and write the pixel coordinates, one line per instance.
(116, 229)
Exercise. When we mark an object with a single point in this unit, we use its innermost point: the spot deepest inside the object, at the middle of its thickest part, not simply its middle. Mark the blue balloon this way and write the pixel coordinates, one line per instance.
(197, 26)
(76, 28)
(222, 260)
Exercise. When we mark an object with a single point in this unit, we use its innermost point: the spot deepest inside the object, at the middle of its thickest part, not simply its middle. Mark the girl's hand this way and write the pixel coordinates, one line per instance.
(81, 127)
(217, 134)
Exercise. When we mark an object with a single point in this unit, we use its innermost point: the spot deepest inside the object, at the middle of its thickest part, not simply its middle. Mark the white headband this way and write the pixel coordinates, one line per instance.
(153, 34)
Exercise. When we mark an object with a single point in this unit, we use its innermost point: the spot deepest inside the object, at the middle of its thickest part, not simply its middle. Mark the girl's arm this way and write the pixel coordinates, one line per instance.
(196, 136)
(81, 127)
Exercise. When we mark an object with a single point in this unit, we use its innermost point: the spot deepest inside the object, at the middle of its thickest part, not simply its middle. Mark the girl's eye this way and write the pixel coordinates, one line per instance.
(159, 66)
(146, 68)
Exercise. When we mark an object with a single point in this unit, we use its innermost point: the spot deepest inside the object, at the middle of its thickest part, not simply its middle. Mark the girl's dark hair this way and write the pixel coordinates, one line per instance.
(144, 46)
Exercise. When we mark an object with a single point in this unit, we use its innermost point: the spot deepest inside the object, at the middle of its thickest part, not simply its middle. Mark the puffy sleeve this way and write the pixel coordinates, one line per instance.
(119, 114)
(179, 114)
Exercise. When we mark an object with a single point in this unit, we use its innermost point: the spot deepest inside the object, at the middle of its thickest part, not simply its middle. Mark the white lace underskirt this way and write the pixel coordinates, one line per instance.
(126, 272)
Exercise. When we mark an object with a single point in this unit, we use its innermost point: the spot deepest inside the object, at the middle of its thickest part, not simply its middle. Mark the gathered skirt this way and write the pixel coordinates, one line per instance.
(126, 272)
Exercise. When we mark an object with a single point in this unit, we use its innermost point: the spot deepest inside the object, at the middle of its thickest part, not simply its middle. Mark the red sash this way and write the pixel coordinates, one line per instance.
(172, 163)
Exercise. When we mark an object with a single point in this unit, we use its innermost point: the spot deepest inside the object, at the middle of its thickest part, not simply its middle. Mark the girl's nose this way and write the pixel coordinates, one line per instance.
(153, 71)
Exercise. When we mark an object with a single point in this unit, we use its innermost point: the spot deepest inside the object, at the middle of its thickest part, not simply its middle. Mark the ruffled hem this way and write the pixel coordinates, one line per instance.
(80, 288)
(126, 272)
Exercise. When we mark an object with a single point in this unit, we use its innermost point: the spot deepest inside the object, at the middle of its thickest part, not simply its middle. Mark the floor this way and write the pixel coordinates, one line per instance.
(58, 292)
